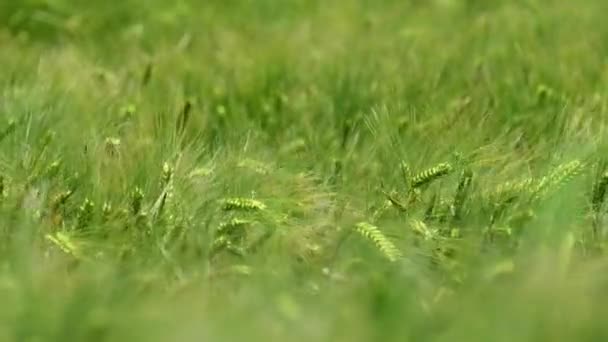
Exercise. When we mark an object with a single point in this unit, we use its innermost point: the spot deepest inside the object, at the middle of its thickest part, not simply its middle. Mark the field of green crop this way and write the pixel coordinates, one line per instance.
(303, 170)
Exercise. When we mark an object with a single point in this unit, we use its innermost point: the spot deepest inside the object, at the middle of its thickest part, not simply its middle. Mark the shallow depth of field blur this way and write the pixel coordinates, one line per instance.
(303, 170)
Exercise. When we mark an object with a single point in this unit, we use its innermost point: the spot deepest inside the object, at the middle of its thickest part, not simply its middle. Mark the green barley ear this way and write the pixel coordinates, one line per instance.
(509, 191)
(462, 193)
(234, 230)
(137, 197)
(183, 118)
(599, 193)
(85, 214)
(427, 176)
(240, 203)
(254, 165)
(232, 227)
(229, 236)
(561, 175)
(8, 130)
(384, 245)
(218, 245)
(65, 243)
(200, 172)
(223, 243)
(421, 229)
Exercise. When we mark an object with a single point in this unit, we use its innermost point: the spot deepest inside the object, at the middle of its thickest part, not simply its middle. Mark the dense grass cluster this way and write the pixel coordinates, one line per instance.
(303, 170)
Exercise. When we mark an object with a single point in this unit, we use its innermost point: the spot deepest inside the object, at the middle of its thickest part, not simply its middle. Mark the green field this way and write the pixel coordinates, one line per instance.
(303, 170)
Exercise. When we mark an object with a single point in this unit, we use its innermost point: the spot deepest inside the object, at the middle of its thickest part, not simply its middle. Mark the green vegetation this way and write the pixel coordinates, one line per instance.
(303, 170)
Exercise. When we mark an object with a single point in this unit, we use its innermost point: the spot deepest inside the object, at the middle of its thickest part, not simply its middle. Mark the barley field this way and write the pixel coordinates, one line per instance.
(303, 170)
